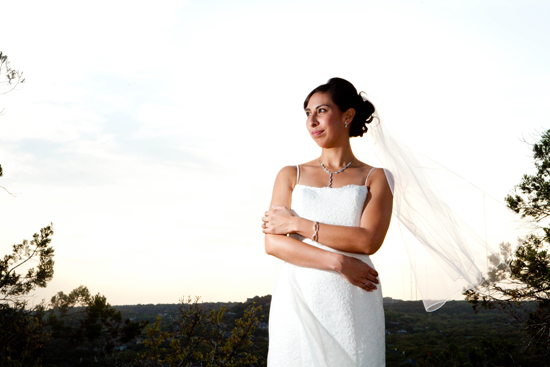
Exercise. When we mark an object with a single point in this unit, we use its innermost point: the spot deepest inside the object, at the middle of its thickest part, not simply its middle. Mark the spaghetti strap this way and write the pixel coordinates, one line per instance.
(372, 169)
(297, 174)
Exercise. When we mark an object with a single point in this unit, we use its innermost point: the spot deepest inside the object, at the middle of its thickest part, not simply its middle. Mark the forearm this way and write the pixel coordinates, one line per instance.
(348, 239)
(298, 253)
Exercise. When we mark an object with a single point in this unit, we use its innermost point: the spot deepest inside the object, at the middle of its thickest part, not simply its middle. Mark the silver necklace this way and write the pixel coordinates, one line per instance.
(332, 173)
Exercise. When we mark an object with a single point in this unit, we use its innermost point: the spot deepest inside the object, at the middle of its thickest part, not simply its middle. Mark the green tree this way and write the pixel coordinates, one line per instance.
(87, 329)
(15, 286)
(529, 274)
(21, 337)
(22, 333)
(199, 335)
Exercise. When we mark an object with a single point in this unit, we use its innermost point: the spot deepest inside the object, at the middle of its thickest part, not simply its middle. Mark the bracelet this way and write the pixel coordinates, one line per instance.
(315, 236)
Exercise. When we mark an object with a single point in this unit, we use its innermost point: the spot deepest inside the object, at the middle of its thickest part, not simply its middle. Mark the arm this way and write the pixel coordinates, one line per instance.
(302, 254)
(287, 248)
(367, 238)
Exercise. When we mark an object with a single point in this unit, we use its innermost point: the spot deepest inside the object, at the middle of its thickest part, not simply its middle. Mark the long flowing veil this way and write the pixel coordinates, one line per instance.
(451, 229)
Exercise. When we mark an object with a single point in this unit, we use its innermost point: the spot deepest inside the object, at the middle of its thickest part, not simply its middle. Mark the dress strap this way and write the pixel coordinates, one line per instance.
(297, 174)
(372, 169)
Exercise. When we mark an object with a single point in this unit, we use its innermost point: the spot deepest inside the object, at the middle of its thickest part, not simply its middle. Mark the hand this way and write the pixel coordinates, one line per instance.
(278, 220)
(358, 273)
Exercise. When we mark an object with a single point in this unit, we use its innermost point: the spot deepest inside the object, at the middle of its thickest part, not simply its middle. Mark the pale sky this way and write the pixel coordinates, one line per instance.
(150, 133)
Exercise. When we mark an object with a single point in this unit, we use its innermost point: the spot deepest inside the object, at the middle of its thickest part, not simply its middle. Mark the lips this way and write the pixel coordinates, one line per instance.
(316, 133)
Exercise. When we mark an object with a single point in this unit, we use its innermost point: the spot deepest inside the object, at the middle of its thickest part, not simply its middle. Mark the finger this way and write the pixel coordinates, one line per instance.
(371, 278)
(366, 287)
(372, 275)
(370, 286)
(373, 272)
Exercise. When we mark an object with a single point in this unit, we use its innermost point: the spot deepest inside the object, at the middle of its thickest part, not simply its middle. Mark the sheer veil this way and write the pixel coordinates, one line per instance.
(451, 229)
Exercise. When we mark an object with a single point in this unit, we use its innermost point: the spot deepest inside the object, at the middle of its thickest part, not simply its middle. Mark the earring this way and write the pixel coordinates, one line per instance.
(346, 124)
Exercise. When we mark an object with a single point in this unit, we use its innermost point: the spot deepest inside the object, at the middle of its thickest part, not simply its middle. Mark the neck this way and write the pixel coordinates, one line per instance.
(337, 157)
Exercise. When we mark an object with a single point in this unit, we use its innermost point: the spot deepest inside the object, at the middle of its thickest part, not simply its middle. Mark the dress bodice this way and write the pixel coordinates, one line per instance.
(341, 206)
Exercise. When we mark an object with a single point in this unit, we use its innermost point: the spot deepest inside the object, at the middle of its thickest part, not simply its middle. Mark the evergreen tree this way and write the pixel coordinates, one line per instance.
(21, 325)
(529, 275)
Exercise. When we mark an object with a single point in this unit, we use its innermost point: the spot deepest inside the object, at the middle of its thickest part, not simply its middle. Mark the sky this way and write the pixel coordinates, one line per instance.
(150, 134)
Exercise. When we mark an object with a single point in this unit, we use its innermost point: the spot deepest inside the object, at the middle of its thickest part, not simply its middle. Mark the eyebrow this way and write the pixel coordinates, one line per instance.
(321, 105)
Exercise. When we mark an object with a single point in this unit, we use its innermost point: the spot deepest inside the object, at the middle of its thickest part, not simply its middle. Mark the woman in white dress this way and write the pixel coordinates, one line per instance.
(327, 303)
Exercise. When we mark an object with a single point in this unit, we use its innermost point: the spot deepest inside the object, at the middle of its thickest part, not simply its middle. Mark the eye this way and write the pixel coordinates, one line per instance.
(308, 113)
(321, 110)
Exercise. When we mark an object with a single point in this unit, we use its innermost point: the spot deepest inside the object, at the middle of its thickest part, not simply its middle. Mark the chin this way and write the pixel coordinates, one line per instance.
(323, 144)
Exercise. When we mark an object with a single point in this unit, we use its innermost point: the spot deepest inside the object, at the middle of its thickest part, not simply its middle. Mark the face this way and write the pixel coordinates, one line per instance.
(325, 122)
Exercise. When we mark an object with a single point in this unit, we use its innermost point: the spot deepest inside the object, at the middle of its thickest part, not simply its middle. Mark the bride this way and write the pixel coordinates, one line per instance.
(327, 303)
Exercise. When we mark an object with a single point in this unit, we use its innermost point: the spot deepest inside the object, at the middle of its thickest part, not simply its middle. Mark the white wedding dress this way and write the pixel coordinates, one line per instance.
(317, 318)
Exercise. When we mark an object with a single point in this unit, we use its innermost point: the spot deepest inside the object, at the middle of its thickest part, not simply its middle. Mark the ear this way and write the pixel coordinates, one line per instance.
(349, 114)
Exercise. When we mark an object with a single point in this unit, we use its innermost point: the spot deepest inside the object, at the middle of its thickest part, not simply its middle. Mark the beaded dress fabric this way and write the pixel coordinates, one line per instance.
(317, 318)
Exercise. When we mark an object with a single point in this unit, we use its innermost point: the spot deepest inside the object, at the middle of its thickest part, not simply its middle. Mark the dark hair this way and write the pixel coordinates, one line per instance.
(345, 96)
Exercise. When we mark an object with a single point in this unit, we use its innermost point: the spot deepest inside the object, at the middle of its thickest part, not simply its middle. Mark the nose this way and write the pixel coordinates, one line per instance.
(312, 120)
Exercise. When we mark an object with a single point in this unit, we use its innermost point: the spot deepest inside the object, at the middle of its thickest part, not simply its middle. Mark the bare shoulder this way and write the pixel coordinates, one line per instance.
(287, 175)
(288, 172)
(380, 180)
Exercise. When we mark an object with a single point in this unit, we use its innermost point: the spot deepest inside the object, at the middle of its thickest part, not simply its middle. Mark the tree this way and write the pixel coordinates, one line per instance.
(199, 335)
(78, 321)
(86, 328)
(9, 78)
(14, 286)
(529, 274)
(22, 335)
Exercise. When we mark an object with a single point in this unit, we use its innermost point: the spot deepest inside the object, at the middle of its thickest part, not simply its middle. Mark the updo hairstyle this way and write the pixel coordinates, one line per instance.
(345, 96)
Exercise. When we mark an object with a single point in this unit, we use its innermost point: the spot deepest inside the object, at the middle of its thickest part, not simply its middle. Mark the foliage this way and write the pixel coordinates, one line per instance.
(22, 334)
(427, 338)
(74, 323)
(529, 277)
(486, 354)
(87, 328)
(199, 335)
(15, 287)
(31, 334)
(531, 197)
(9, 77)
(21, 337)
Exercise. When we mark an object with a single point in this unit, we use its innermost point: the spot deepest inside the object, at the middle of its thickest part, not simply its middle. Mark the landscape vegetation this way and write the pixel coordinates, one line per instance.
(496, 325)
